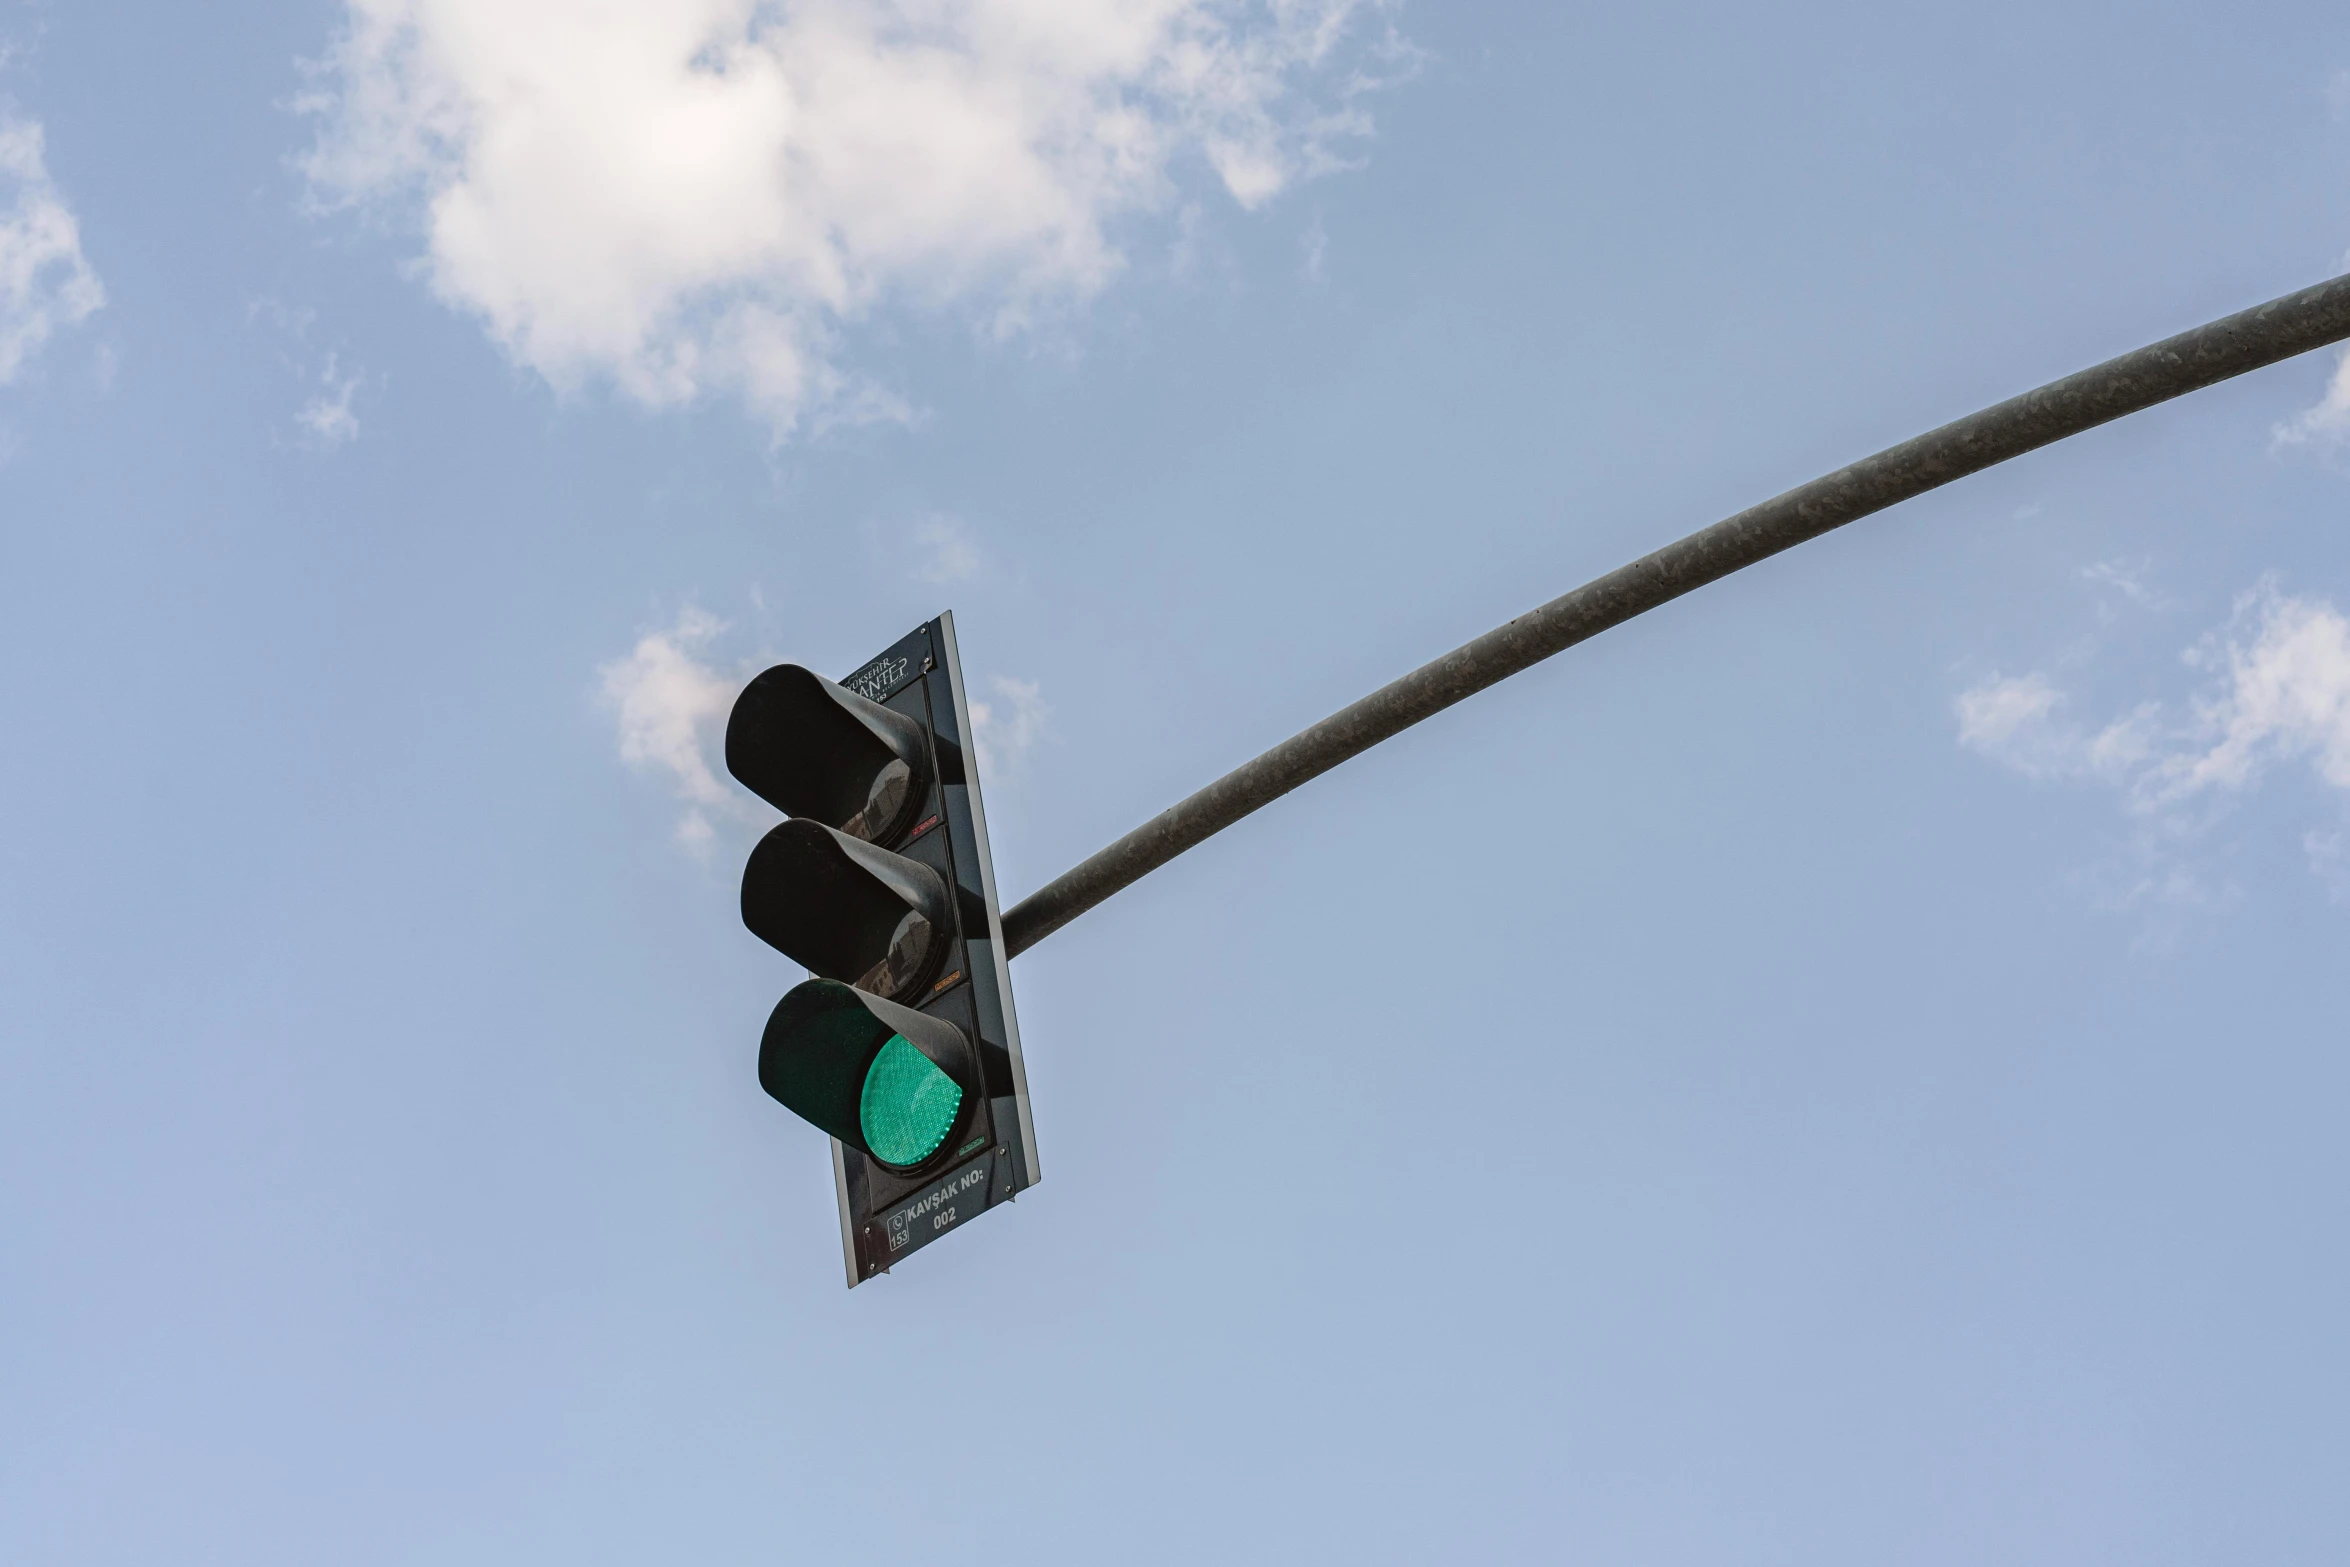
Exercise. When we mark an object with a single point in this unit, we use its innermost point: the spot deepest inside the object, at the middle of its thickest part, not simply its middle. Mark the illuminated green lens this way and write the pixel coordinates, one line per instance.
(908, 1106)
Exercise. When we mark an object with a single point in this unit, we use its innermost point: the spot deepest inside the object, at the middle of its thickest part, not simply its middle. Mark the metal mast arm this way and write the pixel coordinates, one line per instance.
(2229, 347)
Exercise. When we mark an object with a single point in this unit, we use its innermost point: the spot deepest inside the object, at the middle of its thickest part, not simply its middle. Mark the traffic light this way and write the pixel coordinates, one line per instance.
(902, 1045)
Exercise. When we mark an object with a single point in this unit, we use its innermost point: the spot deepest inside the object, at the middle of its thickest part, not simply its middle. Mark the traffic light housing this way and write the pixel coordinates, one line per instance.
(902, 1045)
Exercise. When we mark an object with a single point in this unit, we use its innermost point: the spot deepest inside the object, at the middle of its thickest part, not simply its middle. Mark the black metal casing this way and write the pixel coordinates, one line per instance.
(887, 1214)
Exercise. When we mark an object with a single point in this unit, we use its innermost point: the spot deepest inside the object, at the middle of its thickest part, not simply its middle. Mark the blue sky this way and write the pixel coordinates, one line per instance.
(1847, 1068)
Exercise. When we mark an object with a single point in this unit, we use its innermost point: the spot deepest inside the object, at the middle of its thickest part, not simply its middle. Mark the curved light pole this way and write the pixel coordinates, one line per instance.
(2209, 354)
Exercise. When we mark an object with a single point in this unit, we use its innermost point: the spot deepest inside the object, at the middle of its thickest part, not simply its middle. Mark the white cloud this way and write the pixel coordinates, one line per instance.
(1007, 727)
(2131, 580)
(2326, 424)
(2329, 861)
(697, 195)
(45, 282)
(945, 552)
(2018, 720)
(2278, 692)
(2285, 694)
(328, 415)
(671, 707)
(671, 702)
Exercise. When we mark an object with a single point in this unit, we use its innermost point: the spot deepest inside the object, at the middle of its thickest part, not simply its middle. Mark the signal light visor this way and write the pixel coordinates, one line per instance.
(814, 749)
(847, 910)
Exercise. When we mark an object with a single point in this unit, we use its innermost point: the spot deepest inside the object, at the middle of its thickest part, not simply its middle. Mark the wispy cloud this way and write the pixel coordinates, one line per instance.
(2282, 694)
(2329, 857)
(46, 284)
(945, 553)
(1008, 725)
(2326, 423)
(2133, 580)
(1314, 250)
(671, 706)
(2020, 721)
(2276, 692)
(670, 696)
(693, 195)
(328, 415)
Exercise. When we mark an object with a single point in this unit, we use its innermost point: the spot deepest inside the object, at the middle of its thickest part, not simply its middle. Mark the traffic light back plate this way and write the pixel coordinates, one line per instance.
(916, 1071)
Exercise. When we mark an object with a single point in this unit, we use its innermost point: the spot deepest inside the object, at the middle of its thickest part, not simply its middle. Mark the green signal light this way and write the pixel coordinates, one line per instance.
(908, 1105)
